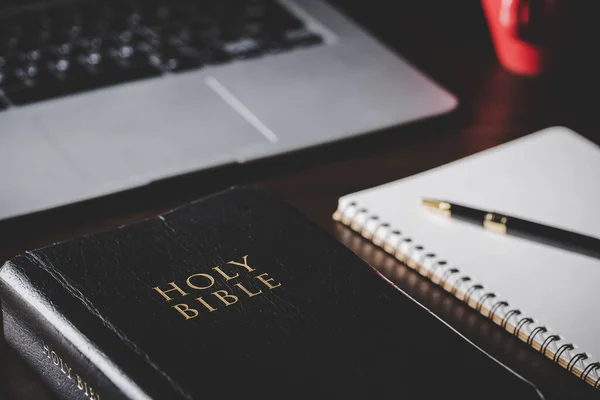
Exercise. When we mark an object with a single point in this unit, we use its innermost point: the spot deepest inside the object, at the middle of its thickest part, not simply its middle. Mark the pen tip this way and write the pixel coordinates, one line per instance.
(431, 203)
(438, 206)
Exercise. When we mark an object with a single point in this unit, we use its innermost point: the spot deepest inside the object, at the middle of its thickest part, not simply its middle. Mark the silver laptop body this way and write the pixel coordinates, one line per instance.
(85, 145)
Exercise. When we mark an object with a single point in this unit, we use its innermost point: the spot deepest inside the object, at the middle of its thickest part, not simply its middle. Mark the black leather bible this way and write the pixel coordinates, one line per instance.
(233, 296)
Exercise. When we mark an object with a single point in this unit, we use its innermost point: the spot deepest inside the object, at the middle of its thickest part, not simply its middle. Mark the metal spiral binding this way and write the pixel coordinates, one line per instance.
(426, 257)
(509, 314)
(588, 369)
(470, 292)
(397, 253)
(482, 300)
(447, 275)
(495, 308)
(431, 270)
(547, 342)
(574, 359)
(381, 225)
(521, 324)
(531, 337)
(363, 232)
(561, 349)
(458, 282)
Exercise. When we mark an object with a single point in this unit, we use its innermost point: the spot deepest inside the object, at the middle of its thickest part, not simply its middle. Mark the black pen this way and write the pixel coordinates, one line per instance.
(508, 225)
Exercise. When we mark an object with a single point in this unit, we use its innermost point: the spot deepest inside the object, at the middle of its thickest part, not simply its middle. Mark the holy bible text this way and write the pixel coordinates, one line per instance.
(243, 281)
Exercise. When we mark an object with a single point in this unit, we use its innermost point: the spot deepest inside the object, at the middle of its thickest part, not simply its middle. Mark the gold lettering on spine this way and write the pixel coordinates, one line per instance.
(54, 358)
(249, 293)
(46, 351)
(243, 265)
(64, 367)
(163, 293)
(68, 371)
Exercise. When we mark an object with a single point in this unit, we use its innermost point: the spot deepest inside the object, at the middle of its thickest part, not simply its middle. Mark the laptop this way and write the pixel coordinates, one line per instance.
(101, 96)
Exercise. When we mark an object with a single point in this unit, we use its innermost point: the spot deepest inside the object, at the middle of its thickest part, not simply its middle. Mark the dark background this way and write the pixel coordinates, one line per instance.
(449, 41)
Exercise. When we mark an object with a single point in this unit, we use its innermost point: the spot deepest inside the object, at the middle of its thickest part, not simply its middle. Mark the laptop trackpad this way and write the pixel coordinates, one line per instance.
(147, 130)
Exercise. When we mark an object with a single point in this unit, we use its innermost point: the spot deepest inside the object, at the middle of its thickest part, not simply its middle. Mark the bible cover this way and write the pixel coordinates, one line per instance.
(233, 296)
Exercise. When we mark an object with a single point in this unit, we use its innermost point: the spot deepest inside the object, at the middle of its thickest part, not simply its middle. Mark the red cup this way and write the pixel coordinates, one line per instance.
(526, 33)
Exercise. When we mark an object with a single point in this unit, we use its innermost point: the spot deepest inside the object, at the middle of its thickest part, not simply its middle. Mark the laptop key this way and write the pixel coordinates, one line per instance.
(301, 37)
(180, 58)
(243, 48)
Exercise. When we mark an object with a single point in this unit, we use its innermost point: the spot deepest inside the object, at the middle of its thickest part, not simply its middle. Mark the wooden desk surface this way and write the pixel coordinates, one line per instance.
(449, 41)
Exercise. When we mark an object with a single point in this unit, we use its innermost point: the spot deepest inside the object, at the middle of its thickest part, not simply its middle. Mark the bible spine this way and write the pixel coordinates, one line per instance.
(41, 340)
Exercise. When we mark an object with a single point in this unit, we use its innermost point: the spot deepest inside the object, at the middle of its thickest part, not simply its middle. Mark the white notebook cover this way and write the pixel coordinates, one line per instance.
(552, 176)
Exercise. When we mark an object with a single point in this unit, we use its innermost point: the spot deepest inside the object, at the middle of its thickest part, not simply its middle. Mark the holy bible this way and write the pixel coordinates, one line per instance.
(233, 296)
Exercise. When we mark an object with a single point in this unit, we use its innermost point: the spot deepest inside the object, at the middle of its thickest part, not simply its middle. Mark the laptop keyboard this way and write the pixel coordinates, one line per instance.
(52, 52)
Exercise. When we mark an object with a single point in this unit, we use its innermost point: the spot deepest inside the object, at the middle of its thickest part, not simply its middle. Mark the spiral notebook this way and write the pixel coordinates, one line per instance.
(543, 295)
